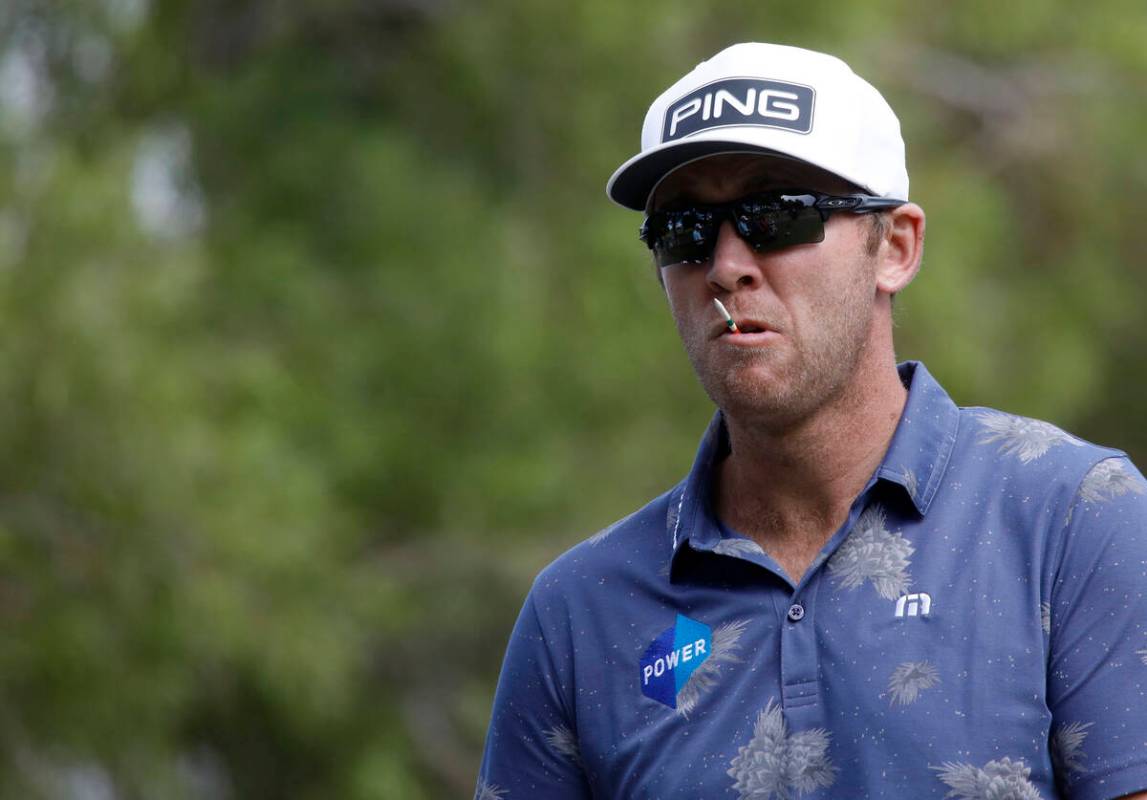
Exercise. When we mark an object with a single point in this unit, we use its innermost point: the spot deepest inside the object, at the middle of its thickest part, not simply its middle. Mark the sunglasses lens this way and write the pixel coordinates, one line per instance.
(676, 237)
(766, 222)
(779, 223)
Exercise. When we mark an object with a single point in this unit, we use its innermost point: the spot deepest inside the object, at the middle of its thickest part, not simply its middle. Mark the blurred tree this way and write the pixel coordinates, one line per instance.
(318, 338)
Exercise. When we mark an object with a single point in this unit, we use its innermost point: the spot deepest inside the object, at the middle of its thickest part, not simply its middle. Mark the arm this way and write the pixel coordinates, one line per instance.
(532, 747)
(1097, 668)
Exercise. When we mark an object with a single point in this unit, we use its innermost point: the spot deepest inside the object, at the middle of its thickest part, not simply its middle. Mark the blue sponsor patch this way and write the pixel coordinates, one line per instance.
(672, 657)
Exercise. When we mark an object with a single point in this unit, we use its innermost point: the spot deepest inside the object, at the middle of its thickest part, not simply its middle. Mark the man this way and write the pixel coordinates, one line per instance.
(859, 590)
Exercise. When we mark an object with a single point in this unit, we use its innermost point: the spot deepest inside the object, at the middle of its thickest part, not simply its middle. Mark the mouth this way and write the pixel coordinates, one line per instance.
(743, 330)
(746, 329)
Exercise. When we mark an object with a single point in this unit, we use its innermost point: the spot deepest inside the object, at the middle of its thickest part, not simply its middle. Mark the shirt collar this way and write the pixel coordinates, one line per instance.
(916, 459)
(924, 439)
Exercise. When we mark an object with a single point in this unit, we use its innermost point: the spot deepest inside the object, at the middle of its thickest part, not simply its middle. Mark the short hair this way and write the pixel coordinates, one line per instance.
(878, 229)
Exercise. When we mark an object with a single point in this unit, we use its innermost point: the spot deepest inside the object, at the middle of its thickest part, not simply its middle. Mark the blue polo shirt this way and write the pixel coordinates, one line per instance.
(977, 628)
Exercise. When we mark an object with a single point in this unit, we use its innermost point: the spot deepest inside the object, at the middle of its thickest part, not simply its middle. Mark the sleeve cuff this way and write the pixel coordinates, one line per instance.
(1111, 784)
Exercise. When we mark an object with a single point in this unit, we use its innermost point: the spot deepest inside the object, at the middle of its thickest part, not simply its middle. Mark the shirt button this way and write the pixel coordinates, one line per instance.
(796, 612)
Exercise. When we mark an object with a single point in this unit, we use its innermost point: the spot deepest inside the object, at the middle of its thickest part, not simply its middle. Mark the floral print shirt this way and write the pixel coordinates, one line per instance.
(976, 629)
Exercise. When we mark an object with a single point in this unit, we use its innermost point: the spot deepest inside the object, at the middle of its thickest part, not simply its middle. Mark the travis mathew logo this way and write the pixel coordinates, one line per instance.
(740, 101)
(672, 657)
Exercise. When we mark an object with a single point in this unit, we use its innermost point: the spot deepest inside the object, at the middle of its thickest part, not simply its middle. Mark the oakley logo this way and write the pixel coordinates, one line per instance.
(913, 605)
(740, 101)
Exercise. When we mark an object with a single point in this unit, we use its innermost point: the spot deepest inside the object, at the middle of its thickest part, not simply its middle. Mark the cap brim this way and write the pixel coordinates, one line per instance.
(632, 182)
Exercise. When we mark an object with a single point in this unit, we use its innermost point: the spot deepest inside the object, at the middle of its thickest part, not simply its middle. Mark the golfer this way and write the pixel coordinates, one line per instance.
(860, 590)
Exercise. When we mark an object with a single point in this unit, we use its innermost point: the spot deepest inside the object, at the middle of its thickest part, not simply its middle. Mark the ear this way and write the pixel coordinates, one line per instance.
(898, 258)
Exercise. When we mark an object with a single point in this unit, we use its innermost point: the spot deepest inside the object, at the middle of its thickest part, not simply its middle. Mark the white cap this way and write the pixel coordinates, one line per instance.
(775, 100)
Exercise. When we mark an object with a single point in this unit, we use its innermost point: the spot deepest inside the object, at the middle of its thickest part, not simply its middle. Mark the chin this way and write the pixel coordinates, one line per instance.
(764, 396)
(746, 397)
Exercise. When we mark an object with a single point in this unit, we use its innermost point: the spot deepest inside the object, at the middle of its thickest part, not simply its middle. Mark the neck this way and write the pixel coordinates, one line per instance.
(799, 482)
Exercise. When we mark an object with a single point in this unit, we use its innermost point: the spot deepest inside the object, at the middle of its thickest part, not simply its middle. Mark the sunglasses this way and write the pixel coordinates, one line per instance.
(767, 222)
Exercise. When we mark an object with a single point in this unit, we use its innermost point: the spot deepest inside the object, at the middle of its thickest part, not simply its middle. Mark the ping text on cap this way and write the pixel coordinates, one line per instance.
(740, 101)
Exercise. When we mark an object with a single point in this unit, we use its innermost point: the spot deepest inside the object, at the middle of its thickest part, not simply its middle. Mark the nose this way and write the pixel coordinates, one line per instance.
(733, 264)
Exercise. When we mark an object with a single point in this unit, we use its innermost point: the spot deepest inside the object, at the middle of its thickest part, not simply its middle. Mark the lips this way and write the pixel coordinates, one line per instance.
(745, 325)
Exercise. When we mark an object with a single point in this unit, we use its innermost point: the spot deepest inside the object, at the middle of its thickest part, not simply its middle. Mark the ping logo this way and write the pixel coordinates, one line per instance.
(740, 101)
(672, 657)
(913, 605)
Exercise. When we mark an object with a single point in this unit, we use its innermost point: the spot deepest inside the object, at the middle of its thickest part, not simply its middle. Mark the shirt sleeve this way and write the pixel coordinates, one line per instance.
(532, 747)
(1097, 623)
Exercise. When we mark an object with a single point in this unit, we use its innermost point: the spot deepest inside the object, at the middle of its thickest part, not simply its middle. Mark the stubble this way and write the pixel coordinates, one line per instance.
(814, 365)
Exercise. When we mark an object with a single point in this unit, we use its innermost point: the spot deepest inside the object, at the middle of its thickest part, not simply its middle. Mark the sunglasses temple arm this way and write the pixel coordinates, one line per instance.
(877, 204)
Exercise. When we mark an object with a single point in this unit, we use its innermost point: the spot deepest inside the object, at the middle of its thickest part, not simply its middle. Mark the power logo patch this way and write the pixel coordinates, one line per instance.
(673, 657)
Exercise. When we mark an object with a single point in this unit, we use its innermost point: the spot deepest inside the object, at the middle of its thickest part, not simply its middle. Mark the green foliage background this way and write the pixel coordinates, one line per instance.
(318, 337)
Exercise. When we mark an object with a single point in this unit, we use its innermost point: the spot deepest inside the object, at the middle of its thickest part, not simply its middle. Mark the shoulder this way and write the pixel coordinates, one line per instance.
(636, 546)
(1031, 452)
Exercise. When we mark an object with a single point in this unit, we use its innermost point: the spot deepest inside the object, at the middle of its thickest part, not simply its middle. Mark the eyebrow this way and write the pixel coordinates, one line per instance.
(757, 184)
(783, 178)
(660, 203)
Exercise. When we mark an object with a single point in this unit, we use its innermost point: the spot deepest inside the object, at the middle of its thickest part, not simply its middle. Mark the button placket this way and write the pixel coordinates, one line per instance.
(800, 681)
